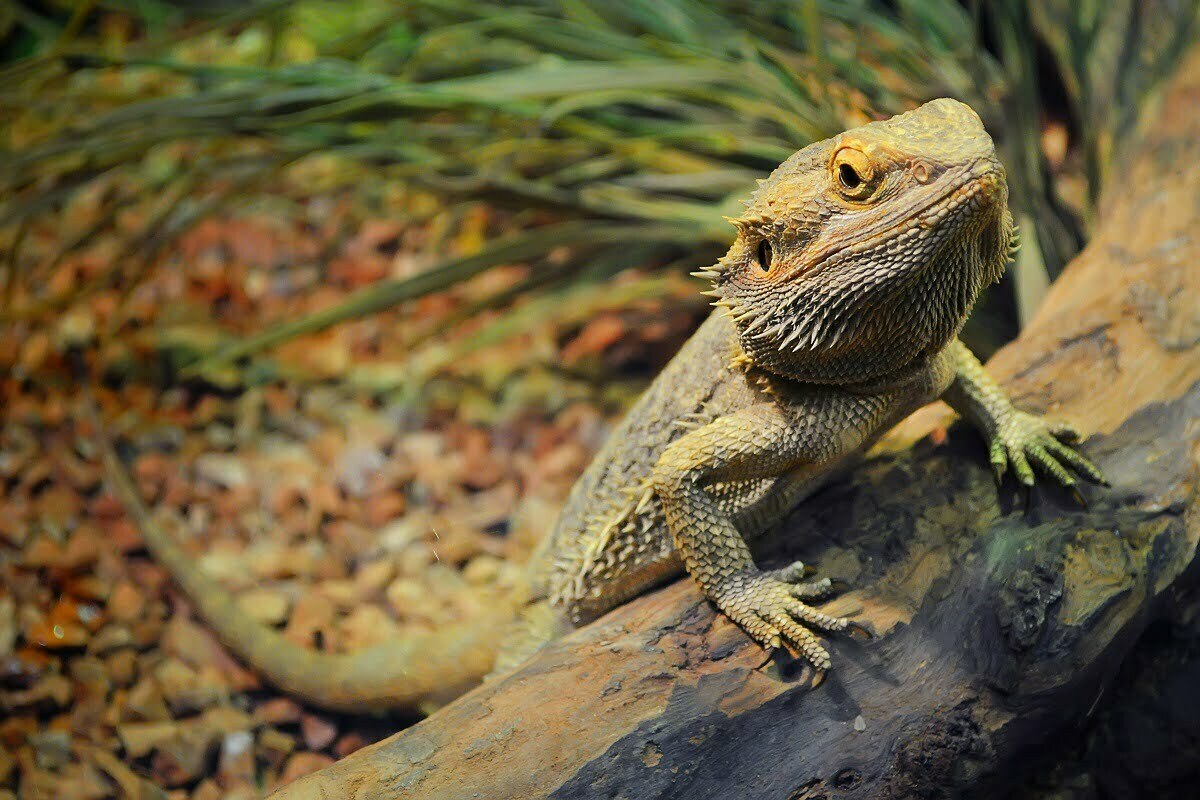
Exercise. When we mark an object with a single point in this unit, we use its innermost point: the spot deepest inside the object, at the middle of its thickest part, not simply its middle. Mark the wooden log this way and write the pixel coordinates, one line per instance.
(1001, 624)
(1144, 739)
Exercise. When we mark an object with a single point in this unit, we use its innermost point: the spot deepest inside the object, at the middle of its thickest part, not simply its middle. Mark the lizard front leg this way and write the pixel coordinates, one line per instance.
(762, 441)
(1015, 438)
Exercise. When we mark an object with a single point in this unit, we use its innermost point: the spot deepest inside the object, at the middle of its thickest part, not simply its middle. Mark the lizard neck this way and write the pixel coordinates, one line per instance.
(776, 382)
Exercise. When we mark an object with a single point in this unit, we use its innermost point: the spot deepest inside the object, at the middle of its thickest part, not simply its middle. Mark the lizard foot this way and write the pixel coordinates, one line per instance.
(1024, 441)
(768, 607)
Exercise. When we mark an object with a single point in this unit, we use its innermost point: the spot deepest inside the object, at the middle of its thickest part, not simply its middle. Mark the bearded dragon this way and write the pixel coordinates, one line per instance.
(855, 266)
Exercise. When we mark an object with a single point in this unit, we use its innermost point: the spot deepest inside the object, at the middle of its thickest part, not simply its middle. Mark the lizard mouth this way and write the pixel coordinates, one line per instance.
(984, 178)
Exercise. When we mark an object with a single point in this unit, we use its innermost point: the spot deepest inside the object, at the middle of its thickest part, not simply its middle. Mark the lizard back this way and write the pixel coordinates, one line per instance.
(611, 541)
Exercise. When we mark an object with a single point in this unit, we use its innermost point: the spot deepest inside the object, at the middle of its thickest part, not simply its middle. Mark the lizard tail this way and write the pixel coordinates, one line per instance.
(409, 674)
(536, 625)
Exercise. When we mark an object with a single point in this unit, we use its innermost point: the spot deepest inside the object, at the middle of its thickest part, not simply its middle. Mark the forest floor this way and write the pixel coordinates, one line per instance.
(342, 504)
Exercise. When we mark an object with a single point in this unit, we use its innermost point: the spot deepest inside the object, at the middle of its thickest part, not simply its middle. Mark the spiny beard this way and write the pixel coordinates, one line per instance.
(856, 321)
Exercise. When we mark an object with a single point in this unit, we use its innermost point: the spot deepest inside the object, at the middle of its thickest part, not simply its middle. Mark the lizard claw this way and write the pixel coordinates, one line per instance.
(860, 630)
(1079, 498)
(999, 460)
(838, 586)
(768, 656)
(1025, 442)
(769, 611)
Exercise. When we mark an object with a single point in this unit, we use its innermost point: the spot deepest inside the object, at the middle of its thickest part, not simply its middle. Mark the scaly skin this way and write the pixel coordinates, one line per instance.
(854, 268)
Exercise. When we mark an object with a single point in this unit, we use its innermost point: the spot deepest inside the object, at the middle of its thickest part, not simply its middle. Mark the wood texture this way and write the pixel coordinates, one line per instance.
(1001, 624)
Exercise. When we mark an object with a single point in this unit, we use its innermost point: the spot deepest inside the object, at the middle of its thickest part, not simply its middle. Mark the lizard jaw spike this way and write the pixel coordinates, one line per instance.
(806, 338)
(836, 336)
(755, 324)
(1014, 240)
(707, 274)
(776, 331)
(787, 340)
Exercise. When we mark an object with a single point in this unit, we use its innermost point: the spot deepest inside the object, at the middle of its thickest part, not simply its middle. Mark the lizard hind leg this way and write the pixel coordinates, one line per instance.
(537, 624)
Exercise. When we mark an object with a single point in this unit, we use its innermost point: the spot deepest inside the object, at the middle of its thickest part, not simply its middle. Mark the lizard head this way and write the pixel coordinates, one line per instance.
(865, 252)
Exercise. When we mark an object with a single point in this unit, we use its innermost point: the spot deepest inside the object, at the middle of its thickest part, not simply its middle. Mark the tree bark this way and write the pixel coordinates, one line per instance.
(1144, 739)
(1001, 623)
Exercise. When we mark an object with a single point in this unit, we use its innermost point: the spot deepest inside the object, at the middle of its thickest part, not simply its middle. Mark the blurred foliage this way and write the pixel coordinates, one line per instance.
(1111, 55)
(620, 131)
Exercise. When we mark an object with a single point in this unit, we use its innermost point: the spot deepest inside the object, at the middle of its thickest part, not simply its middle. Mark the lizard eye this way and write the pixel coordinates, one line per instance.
(765, 255)
(853, 174)
(848, 176)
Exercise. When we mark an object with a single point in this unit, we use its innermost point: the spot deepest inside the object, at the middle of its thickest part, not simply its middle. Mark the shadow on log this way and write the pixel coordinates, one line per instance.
(1002, 622)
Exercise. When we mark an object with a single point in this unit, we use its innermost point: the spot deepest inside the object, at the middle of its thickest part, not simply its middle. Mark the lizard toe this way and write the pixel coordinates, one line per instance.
(816, 619)
(817, 590)
(803, 641)
(792, 573)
